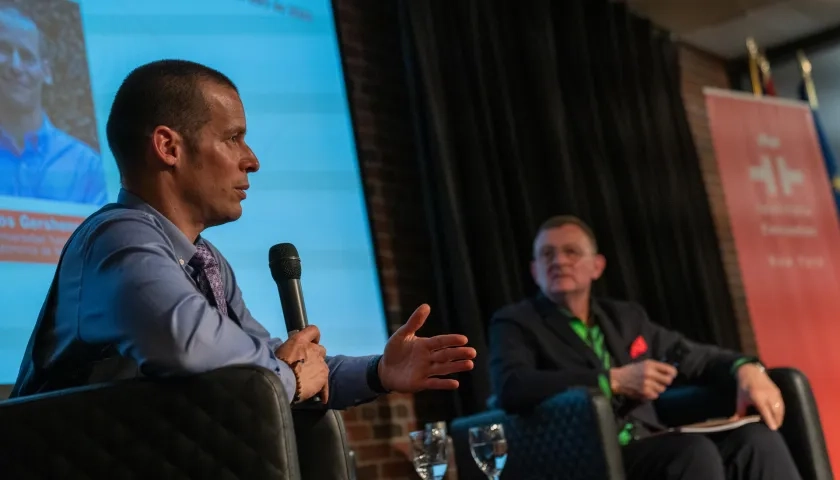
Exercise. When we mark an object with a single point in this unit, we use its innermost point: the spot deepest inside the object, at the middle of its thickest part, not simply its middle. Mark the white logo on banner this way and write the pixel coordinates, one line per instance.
(774, 179)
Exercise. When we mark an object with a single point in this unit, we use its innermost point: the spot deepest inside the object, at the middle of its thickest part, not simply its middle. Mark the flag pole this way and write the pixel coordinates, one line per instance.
(755, 80)
(806, 68)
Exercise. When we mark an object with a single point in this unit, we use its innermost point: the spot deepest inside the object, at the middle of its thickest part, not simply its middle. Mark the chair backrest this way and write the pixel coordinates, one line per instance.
(232, 423)
(322, 445)
(569, 436)
(802, 428)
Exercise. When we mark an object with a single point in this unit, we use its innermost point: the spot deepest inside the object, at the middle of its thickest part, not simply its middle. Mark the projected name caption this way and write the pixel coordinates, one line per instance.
(284, 9)
(34, 237)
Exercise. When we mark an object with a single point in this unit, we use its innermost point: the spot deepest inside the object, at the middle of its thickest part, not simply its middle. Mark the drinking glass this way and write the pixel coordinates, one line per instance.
(489, 449)
(429, 453)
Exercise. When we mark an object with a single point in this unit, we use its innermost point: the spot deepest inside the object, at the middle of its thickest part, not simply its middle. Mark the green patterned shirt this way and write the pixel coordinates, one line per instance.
(594, 338)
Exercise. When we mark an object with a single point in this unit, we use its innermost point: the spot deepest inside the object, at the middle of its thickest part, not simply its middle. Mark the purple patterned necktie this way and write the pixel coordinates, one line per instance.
(209, 278)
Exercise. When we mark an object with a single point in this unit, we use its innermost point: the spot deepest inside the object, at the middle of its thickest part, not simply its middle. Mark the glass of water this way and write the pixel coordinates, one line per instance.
(489, 449)
(429, 453)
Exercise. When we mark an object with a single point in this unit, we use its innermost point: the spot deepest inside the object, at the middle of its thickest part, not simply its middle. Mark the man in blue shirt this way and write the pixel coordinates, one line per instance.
(141, 293)
(37, 159)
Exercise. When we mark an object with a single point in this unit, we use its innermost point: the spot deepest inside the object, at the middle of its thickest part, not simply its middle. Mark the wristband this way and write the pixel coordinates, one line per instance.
(292, 365)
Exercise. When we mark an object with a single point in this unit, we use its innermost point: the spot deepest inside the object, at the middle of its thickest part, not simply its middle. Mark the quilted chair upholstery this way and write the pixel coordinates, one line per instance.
(570, 436)
(231, 423)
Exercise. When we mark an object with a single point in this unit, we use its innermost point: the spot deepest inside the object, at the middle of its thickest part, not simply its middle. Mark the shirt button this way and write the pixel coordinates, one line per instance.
(181, 260)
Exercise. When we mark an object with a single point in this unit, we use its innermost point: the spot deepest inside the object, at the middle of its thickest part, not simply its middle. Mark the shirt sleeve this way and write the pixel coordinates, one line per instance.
(348, 375)
(137, 296)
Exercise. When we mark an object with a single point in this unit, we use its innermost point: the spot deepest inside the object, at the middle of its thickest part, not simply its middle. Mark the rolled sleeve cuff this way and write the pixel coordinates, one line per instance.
(348, 381)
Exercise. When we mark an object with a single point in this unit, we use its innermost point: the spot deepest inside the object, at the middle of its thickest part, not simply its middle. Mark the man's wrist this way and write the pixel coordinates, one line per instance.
(744, 361)
(293, 367)
(374, 380)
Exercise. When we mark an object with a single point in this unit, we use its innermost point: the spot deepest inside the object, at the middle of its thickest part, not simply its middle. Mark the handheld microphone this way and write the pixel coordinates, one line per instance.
(284, 263)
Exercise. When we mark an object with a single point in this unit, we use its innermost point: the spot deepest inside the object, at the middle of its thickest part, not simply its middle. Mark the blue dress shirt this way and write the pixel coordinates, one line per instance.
(51, 165)
(125, 283)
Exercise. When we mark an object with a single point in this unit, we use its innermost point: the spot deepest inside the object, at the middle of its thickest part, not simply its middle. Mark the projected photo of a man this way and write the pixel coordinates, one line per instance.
(37, 158)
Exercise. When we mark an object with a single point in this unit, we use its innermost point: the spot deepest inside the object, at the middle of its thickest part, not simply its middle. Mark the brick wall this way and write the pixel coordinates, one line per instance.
(376, 78)
(381, 109)
(700, 69)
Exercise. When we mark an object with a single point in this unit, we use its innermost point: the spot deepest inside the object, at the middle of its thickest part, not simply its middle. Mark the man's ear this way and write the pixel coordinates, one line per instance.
(47, 69)
(167, 145)
(534, 271)
(600, 265)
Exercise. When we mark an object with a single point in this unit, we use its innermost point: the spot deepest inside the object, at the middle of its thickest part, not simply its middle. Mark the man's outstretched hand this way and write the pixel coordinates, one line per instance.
(410, 362)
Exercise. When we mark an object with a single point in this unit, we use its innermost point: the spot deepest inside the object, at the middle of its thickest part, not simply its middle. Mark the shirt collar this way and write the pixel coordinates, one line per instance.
(184, 249)
(546, 306)
(35, 140)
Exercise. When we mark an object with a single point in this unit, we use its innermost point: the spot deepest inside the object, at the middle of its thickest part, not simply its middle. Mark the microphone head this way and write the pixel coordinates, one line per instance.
(284, 262)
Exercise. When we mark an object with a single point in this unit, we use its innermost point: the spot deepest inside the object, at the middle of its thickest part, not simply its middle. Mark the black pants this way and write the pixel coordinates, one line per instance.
(752, 452)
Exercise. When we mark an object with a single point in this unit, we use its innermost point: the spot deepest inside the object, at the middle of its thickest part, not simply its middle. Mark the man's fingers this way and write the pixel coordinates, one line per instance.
(446, 341)
(664, 369)
(415, 321)
(765, 409)
(778, 409)
(319, 350)
(660, 377)
(655, 385)
(310, 334)
(453, 354)
(449, 368)
(740, 410)
(325, 392)
(440, 384)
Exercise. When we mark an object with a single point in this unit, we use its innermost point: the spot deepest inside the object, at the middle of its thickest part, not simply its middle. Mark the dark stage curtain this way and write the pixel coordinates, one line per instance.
(535, 108)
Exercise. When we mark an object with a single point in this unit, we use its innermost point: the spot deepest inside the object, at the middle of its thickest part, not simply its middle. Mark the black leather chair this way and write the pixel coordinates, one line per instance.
(322, 445)
(232, 423)
(802, 429)
(572, 435)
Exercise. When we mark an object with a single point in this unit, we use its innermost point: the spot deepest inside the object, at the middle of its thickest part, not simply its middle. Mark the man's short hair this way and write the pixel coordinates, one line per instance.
(15, 11)
(558, 221)
(165, 92)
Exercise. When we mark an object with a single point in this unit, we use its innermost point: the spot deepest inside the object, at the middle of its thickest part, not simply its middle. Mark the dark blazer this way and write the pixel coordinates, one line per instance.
(535, 354)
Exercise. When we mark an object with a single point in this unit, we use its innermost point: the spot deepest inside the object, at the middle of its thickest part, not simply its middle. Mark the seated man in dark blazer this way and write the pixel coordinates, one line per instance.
(564, 338)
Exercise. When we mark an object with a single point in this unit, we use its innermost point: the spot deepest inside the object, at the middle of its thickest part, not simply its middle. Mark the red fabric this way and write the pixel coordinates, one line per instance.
(638, 347)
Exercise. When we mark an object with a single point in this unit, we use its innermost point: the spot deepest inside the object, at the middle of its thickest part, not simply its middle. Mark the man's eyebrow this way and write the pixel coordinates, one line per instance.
(238, 130)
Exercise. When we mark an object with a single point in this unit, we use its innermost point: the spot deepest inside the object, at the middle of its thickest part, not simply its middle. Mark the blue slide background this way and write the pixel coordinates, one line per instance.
(308, 191)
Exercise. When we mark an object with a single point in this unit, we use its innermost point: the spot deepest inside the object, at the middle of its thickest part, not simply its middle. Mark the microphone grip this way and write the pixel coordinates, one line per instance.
(294, 313)
(291, 299)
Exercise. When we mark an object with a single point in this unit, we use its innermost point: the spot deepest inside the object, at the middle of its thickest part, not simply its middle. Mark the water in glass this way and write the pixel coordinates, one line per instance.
(429, 453)
(489, 449)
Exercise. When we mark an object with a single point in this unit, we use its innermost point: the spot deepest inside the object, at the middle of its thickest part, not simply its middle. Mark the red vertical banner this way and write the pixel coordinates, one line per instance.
(787, 238)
